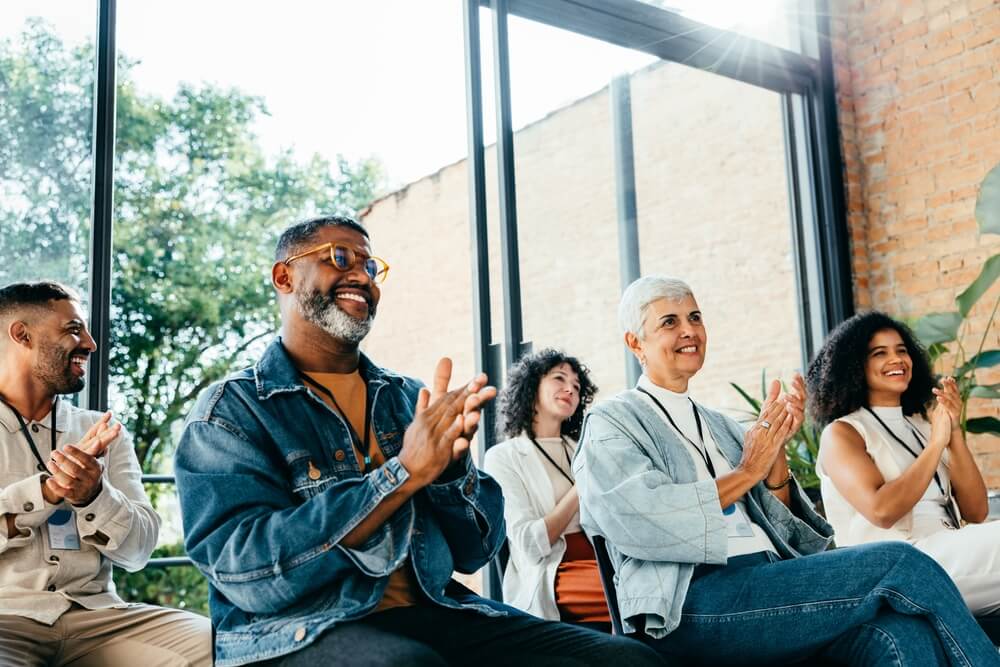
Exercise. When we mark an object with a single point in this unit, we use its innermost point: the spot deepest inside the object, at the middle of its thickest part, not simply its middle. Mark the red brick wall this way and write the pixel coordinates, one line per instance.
(919, 96)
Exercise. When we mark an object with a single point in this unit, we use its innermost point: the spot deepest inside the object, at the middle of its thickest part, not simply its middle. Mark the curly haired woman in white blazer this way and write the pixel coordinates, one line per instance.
(552, 571)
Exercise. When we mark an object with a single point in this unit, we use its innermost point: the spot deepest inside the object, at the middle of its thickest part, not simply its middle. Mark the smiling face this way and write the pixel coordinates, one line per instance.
(672, 349)
(342, 303)
(888, 367)
(558, 394)
(62, 346)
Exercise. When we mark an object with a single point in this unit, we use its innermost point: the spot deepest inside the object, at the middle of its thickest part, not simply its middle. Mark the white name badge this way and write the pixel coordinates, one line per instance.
(737, 523)
(62, 531)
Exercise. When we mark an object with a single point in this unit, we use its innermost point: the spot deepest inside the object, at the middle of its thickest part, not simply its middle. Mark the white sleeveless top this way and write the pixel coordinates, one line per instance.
(928, 516)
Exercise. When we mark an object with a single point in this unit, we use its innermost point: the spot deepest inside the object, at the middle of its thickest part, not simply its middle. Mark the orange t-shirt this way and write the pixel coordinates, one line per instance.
(349, 390)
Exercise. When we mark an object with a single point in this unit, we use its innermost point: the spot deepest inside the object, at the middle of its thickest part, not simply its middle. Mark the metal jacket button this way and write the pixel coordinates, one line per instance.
(28, 507)
(52, 587)
(89, 517)
(34, 428)
(54, 558)
(300, 634)
(314, 472)
(339, 455)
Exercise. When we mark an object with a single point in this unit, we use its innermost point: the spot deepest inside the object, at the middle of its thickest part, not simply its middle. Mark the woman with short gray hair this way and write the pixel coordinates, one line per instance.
(719, 555)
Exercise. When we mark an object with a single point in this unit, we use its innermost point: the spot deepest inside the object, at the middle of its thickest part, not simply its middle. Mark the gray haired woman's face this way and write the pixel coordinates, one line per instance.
(673, 346)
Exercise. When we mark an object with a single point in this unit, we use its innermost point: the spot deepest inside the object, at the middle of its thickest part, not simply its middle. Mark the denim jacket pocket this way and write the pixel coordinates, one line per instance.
(311, 474)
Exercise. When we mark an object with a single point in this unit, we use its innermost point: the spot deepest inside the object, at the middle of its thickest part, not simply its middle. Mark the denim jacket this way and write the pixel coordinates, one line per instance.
(265, 529)
(639, 490)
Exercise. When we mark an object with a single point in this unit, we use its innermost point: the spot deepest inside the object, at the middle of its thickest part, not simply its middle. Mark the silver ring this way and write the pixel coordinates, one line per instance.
(765, 424)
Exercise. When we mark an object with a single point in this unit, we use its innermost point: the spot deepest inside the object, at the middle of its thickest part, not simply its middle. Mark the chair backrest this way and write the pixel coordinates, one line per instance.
(991, 626)
(607, 572)
(499, 566)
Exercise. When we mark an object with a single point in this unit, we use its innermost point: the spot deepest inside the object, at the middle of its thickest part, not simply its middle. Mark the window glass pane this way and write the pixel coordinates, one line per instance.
(566, 194)
(46, 118)
(713, 210)
(262, 118)
(789, 24)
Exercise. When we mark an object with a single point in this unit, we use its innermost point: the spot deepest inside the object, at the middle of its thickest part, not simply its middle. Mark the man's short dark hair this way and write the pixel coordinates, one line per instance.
(296, 236)
(38, 294)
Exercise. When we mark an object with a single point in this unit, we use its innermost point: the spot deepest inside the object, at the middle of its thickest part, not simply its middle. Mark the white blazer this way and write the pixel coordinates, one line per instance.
(529, 580)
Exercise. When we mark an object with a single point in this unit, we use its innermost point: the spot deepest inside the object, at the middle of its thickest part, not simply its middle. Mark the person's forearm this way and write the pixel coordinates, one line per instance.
(560, 516)
(895, 499)
(382, 512)
(12, 530)
(734, 485)
(779, 474)
(967, 480)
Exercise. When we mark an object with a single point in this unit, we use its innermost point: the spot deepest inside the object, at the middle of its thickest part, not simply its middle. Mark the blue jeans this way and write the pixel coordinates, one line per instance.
(879, 604)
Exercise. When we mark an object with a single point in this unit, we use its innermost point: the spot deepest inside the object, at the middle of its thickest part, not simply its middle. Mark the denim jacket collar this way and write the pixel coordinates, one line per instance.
(275, 373)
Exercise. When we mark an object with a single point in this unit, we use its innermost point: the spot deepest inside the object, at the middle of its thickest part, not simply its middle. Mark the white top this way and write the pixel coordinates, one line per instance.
(891, 459)
(561, 452)
(931, 503)
(681, 410)
(531, 488)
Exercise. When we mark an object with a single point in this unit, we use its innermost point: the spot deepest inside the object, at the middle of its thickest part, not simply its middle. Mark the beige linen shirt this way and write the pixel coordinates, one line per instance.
(119, 526)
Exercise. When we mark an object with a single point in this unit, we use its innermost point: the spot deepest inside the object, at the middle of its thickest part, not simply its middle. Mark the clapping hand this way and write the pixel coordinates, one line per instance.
(75, 469)
(444, 424)
(781, 416)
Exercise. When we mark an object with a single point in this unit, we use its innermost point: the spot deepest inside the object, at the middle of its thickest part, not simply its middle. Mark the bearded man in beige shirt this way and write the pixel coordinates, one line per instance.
(71, 504)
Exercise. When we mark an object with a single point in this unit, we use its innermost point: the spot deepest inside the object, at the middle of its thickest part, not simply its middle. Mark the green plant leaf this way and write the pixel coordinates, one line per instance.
(935, 350)
(982, 360)
(749, 399)
(985, 391)
(967, 299)
(988, 203)
(937, 328)
(983, 425)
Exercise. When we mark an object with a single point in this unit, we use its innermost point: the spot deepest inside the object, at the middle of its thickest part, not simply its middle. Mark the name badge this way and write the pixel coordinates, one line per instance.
(737, 522)
(62, 531)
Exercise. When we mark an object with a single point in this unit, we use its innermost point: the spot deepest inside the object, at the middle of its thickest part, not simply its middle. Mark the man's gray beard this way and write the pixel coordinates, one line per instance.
(323, 311)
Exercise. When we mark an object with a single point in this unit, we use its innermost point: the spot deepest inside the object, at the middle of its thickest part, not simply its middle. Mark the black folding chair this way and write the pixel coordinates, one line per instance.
(499, 562)
(607, 572)
(991, 626)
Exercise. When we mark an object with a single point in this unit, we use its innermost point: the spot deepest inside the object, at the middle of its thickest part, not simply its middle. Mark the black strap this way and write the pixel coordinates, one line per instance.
(554, 464)
(920, 442)
(702, 449)
(364, 450)
(27, 436)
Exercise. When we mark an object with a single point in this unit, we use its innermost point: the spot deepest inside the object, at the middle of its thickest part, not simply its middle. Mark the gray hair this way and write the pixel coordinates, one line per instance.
(644, 291)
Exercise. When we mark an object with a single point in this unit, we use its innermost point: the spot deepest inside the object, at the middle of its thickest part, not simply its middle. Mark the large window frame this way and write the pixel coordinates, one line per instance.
(813, 158)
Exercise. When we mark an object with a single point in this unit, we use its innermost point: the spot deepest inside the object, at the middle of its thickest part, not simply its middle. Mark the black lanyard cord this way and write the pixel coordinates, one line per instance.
(554, 464)
(919, 439)
(27, 436)
(364, 450)
(703, 449)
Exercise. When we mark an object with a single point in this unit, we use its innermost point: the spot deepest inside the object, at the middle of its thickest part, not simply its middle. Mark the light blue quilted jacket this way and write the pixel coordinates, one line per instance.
(639, 490)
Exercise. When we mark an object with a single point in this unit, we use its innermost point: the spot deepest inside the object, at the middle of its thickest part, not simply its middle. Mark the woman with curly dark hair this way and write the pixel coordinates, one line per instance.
(552, 571)
(893, 461)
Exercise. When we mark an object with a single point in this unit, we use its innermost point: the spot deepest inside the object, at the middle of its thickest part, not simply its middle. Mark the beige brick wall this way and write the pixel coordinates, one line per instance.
(711, 191)
(919, 96)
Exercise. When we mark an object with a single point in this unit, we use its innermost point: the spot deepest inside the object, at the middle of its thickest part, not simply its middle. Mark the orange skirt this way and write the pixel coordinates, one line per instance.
(579, 595)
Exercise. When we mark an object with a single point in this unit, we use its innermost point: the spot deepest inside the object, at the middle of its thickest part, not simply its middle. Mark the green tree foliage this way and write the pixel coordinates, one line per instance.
(181, 587)
(198, 206)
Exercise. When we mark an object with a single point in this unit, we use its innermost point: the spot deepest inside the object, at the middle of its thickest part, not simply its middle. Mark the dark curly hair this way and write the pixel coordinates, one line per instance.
(517, 400)
(836, 377)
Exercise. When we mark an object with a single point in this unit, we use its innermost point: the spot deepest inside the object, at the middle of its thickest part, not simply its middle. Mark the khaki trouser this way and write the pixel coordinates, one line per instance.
(138, 636)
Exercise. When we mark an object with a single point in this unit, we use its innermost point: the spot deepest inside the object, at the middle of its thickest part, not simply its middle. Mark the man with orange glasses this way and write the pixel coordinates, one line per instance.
(329, 500)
